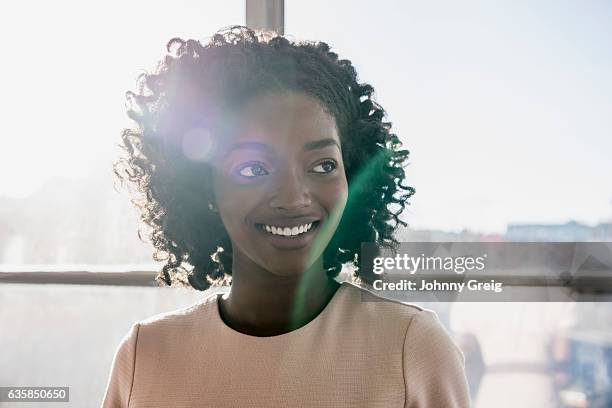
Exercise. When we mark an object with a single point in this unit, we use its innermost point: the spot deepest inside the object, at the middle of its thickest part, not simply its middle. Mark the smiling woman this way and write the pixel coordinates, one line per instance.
(264, 163)
(210, 114)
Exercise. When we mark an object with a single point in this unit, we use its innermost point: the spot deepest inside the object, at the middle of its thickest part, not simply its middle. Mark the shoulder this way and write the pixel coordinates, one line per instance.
(120, 380)
(161, 330)
(423, 332)
(371, 306)
(367, 315)
(426, 336)
(182, 315)
(180, 318)
(433, 365)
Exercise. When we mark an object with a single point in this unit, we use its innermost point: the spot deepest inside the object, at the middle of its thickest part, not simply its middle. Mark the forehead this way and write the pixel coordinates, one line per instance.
(281, 120)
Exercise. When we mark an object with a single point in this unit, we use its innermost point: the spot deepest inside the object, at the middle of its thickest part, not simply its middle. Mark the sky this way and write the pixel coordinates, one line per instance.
(505, 106)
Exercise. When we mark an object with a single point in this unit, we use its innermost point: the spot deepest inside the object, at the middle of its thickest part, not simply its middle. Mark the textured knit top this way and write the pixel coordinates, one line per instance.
(360, 351)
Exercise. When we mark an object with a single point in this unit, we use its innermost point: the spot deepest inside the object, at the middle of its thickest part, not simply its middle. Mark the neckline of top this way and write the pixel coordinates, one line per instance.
(296, 332)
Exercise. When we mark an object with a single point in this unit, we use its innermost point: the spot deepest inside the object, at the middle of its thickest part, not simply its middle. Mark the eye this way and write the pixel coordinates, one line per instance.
(251, 170)
(326, 167)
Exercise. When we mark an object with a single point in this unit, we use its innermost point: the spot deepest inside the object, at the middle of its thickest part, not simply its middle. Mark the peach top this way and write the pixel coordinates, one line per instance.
(360, 351)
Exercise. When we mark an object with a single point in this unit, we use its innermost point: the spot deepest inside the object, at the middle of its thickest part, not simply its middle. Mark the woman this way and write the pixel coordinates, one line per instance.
(265, 163)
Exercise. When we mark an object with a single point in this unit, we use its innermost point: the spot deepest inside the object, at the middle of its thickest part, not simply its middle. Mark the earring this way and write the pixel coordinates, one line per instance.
(212, 207)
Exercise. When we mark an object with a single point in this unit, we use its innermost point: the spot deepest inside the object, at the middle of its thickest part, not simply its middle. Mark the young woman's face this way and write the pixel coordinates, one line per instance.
(279, 182)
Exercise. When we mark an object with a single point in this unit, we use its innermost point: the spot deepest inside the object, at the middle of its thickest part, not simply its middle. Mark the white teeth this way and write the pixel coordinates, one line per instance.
(288, 232)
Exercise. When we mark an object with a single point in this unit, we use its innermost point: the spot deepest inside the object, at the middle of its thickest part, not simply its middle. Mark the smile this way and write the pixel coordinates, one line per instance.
(293, 231)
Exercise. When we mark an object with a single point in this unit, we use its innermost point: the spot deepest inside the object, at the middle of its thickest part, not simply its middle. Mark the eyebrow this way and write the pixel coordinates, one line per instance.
(321, 144)
(309, 146)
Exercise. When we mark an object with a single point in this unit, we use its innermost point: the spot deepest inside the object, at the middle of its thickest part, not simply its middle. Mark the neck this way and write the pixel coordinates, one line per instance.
(264, 304)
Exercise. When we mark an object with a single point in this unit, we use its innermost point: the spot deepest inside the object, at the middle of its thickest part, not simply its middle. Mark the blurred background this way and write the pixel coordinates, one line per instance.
(504, 106)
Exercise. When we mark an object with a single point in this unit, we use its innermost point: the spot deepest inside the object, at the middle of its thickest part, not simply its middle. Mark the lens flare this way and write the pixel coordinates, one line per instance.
(361, 183)
(197, 144)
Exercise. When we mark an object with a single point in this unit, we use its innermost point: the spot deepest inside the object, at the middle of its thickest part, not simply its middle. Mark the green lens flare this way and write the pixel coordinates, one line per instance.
(360, 184)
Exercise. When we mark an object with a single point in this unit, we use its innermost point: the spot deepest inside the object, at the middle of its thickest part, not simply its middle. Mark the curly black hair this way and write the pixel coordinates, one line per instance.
(191, 88)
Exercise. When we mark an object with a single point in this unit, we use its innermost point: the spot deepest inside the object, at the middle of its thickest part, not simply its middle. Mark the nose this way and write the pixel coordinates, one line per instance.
(290, 192)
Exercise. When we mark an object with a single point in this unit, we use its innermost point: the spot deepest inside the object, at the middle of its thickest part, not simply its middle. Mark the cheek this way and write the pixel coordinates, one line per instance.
(233, 203)
(334, 195)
